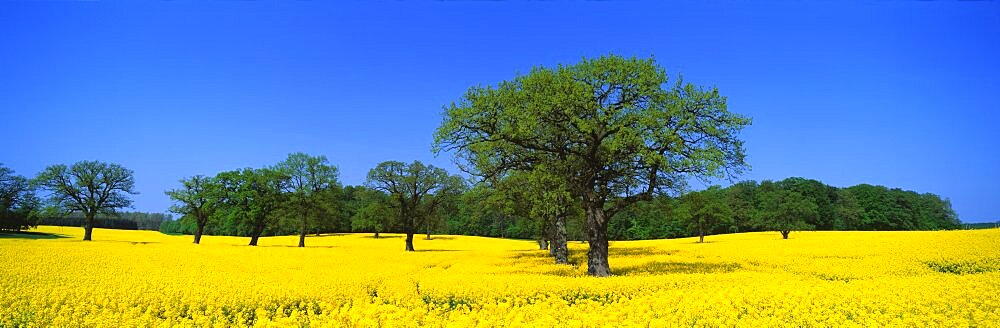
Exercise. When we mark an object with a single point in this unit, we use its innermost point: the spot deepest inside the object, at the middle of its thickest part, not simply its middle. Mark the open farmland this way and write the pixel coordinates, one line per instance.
(139, 278)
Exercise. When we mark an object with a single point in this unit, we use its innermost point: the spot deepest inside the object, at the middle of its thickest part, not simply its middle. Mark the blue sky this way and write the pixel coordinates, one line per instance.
(902, 94)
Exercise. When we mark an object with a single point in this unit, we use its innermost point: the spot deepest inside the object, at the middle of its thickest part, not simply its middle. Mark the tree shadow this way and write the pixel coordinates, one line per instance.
(383, 237)
(639, 251)
(665, 267)
(297, 246)
(30, 235)
(440, 238)
(542, 257)
(128, 242)
(438, 250)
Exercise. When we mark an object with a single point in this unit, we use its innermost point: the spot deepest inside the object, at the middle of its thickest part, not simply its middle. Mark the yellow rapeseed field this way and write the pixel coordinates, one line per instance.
(814, 279)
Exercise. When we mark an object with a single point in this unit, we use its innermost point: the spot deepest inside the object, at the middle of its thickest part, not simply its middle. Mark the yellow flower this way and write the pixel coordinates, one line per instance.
(816, 279)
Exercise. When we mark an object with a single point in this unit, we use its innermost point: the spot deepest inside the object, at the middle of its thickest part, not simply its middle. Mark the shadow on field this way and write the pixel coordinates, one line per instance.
(639, 251)
(663, 267)
(383, 237)
(30, 235)
(296, 246)
(331, 234)
(578, 257)
(542, 257)
(438, 250)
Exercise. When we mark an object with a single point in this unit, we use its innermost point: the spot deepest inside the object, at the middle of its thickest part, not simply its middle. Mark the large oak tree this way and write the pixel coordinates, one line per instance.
(89, 187)
(615, 128)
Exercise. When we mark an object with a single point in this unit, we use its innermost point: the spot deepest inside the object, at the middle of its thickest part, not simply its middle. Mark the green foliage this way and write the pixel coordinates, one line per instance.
(611, 126)
(90, 187)
(705, 211)
(376, 212)
(881, 208)
(19, 207)
(653, 219)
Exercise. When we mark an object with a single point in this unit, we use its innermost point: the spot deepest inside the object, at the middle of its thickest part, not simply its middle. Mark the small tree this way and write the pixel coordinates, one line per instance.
(89, 187)
(784, 211)
(417, 190)
(312, 189)
(199, 198)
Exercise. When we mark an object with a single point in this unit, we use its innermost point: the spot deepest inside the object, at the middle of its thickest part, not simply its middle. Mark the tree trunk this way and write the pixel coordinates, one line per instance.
(254, 235)
(559, 248)
(543, 244)
(597, 233)
(376, 235)
(701, 234)
(784, 234)
(88, 227)
(302, 234)
(428, 229)
(197, 233)
(409, 242)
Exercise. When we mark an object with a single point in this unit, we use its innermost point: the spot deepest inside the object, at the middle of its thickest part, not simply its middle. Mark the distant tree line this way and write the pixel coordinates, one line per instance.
(808, 204)
(123, 220)
(981, 225)
(19, 207)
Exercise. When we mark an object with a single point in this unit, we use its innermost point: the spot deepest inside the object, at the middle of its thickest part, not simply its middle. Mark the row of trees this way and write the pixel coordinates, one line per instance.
(251, 201)
(561, 152)
(303, 194)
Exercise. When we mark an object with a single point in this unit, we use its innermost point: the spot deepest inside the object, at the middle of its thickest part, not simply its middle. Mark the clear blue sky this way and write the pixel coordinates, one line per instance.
(902, 94)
